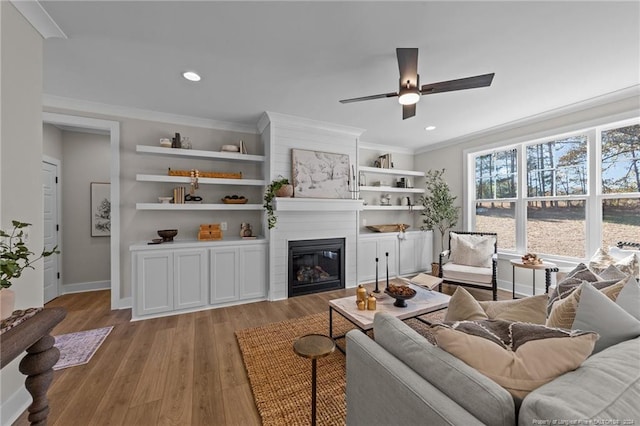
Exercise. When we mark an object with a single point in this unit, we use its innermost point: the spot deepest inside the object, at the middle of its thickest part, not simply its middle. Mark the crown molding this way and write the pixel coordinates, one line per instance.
(598, 101)
(386, 148)
(39, 18)
(51, 101)
(300, 122)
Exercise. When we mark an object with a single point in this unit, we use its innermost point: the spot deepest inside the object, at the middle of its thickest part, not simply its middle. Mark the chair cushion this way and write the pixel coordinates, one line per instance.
(471, 274)
(472, 250)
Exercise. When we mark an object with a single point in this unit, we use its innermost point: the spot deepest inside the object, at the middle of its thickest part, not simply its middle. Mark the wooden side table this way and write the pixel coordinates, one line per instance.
(548, 269)
(33, 335)
(313, 346)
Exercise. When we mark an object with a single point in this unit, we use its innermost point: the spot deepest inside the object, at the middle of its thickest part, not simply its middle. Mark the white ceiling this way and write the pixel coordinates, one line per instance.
(300, 58)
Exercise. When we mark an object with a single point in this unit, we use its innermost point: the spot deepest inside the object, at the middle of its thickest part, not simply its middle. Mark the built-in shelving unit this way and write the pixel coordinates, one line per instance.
(200, 154)
(390, 208)
(392, 189)
(393, 172)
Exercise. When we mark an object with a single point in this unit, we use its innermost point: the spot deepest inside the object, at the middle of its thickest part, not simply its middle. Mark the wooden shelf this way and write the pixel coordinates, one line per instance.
(182, 207)
(196, 153)
(392, 189)
(203, 181)
(395, 172)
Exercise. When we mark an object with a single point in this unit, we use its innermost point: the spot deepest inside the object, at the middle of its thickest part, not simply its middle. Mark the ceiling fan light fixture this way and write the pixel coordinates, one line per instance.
(191, 76)
(408, 96)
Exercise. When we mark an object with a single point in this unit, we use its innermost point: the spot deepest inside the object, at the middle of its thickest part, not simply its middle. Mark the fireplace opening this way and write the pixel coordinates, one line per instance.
(315, 266)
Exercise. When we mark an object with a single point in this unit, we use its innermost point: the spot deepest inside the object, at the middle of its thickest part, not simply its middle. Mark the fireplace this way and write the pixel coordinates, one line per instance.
(315, 266)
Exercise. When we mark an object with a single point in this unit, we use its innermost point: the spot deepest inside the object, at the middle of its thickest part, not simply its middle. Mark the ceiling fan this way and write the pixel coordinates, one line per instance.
(410, 91)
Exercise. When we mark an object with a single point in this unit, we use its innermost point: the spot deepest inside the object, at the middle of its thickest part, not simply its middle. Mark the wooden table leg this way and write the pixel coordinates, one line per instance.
(37, 366)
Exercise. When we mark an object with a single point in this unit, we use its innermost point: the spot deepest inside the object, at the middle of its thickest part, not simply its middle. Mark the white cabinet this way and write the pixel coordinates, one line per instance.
(372, 246)
(186, 276)
(238, 273)
(408, 255)
(169, 280)
(416, 252)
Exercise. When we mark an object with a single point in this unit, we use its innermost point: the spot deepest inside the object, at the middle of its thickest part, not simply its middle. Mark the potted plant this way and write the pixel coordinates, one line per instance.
(277, 188)
(439, 211)
(15, 257)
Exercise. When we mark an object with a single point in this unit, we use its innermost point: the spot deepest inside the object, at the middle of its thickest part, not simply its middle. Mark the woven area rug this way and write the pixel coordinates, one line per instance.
(78, 348)
(281, 380)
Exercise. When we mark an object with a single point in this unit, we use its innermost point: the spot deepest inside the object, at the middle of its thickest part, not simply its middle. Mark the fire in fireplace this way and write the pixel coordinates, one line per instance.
(315, 266)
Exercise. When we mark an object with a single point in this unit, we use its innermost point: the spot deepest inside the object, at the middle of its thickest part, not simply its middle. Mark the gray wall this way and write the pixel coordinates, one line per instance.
(86, 259)
(52, 141)
(20, 169)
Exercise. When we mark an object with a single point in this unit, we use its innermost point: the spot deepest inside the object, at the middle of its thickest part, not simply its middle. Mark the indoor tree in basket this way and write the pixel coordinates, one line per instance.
(15, 257)
(439, 211)
(277, 188)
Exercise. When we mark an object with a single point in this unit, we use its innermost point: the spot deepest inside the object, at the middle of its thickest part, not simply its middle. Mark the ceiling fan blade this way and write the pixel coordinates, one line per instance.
(369, 98)
(459, 84)
(408, 65)
(408, 111)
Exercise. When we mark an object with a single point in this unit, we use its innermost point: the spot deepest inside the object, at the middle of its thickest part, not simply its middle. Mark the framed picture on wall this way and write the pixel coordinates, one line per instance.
(100, 209)
(320, 174)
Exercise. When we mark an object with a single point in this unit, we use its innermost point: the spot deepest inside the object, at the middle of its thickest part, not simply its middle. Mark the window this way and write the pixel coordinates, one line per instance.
(561, 196)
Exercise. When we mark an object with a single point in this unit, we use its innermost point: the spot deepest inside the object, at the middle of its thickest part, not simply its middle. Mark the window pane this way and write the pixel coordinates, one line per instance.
(557, 167)
(620, 221)
(621, 160)
(556, 227)
(496, 175)
(499, 217)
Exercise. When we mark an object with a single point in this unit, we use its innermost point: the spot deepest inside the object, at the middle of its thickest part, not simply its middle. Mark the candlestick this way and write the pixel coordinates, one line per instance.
(387, 254)
(376, 290)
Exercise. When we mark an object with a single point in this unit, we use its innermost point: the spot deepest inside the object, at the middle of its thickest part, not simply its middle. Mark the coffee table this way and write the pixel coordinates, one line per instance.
(424, 302)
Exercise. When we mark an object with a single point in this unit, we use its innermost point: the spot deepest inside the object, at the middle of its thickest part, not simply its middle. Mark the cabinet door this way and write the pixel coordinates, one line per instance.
(224, 274)
(367, 253)
(154, 282)
(253, 272)
(190, 278)
(388, 245)
(407, 255)
(424, 251)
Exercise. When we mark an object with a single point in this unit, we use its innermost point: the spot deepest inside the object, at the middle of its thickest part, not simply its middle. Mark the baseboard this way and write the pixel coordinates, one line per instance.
(83, 287)
(14, 406)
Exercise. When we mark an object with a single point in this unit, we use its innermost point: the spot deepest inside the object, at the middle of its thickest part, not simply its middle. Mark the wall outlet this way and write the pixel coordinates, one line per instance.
(223, 226)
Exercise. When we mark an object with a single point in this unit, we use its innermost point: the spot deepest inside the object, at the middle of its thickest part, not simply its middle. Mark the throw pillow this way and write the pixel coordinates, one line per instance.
(596, 312)
(570, 282)
(619, 254)
(563, 312)
(612, 273)
(472, 250)
(463, 306)
(602, 259)
(519, 357)
(629, 298)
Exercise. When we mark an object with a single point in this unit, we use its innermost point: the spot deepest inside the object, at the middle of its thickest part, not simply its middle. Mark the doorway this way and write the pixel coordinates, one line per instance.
(50, 172)
(113, 129)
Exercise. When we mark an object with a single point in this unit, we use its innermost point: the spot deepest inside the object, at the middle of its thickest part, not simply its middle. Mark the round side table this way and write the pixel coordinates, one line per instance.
(548, 269)
(313, 346)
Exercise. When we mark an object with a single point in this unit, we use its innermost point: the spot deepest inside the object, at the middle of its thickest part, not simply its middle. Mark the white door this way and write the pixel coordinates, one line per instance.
(50, 193)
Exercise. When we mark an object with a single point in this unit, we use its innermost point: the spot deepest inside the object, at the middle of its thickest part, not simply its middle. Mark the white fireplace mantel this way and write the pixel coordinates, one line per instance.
(317, 204)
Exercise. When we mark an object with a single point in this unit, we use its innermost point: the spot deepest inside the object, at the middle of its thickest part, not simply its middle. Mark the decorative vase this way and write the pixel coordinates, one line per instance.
(7, 302)
(435, 269)
(285, 191)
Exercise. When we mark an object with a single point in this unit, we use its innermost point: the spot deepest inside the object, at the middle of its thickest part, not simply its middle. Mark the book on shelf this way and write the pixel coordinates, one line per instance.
(243, 147)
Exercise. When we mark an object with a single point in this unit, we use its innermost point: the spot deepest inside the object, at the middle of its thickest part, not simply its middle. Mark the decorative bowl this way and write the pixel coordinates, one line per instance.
(230, 148)
(401, 294)
(165, 200)
(167, 234)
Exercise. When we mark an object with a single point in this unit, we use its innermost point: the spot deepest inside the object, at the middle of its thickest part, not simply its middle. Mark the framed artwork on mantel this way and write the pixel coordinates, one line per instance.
(100, 209)
(320, 174)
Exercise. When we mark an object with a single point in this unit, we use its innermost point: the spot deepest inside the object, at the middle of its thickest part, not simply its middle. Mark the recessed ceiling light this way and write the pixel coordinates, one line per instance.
(191, 76)
(429, 128)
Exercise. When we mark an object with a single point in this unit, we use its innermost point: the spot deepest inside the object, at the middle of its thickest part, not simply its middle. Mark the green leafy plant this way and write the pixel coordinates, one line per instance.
(269, 195)
(15, 256)
(439, 211)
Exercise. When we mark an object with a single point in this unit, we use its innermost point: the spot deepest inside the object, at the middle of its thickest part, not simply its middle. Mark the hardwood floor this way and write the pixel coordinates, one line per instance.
(179, 370)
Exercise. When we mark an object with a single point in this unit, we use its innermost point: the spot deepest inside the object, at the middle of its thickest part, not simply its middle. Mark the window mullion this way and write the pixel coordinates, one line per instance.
(521, 209)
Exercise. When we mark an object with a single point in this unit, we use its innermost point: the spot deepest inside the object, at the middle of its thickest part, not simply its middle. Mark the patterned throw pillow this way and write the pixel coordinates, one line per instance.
(570, 282)
(519, 357)
(602, 259)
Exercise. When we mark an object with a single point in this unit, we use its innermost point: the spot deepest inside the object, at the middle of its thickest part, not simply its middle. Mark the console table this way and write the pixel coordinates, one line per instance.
(33, 335)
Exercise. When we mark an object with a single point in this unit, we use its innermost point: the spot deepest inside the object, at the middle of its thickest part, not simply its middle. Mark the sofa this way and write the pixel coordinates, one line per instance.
(400, 378)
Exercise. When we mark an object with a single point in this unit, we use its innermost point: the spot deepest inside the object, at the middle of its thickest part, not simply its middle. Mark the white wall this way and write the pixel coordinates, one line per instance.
(20, 170)
(52, 141)
(451, 155)
(86, 259)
